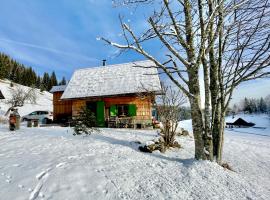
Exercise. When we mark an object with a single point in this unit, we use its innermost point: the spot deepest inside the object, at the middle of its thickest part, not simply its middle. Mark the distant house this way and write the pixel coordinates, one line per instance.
(121, 91)
(239, 123)
(1, 95)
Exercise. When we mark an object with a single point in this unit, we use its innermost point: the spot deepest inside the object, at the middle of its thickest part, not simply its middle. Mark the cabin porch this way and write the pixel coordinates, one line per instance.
(118, 112)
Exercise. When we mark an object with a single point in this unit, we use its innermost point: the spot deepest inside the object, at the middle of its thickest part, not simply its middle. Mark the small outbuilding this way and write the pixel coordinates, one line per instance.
(62, 110)
(239, 123)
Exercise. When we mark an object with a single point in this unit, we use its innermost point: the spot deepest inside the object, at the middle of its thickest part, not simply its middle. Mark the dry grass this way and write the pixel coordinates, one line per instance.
(227, 166)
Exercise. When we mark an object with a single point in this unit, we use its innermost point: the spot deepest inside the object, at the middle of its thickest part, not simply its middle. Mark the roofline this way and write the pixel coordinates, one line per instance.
(113, 65)
(58, 86)
(113, 95)
(57, 91)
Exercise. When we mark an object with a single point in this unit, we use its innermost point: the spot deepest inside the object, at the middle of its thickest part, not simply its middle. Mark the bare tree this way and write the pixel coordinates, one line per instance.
(19, 97)
(168, 107)
(228, 40)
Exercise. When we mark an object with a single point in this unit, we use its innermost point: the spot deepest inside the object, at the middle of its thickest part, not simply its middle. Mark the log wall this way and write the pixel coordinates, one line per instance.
(143, 105)
(61, 109)
(76, 106)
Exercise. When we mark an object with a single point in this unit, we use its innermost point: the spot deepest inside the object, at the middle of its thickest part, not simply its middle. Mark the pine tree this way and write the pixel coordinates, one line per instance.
(248, 106)
(38, 82)
(42, 87)
(63, 81)
(262, 106)
(19, 73)
(84, 122)
(46, 81)
(53, 80)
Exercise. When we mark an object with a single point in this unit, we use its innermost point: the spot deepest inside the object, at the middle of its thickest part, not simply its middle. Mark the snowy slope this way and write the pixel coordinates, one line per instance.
(51, 163)
(44, 99)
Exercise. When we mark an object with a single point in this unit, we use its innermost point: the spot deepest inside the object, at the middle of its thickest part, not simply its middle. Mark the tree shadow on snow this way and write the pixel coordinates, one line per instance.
(111, 140)
(187, 162)
(134, 145)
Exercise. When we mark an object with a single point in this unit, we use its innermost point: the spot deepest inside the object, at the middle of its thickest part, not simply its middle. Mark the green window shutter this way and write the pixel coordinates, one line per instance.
(132, 110)
(113, 111)
(100, 114)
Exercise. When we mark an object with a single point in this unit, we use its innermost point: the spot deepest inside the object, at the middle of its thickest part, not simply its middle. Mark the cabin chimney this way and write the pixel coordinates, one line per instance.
(104, 62)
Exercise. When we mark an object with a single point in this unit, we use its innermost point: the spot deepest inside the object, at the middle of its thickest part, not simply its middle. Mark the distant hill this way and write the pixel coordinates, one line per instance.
(18, 73)
(44, 99)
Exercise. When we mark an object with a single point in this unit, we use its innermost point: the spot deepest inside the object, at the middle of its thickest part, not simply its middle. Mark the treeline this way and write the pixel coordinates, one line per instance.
(185, 113)
(252, 105)
(18, 73)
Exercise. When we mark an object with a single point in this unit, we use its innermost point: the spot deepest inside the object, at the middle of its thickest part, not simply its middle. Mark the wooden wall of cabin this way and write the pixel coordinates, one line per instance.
(77, 105)
(61, 109)
(143, 105)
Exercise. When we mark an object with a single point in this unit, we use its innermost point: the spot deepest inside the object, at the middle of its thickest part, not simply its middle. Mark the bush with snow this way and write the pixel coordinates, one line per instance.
(85, 122)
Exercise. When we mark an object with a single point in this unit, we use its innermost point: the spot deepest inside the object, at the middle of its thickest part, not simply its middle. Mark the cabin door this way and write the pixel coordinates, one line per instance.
(98, 108)
(92, 106)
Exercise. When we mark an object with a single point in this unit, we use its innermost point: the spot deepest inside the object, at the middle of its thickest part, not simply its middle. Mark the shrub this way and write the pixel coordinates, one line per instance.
(85, 122)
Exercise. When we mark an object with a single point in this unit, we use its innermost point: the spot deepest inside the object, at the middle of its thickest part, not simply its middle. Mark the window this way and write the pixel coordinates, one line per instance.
(33, 113)
(122, 110)
(43, 113)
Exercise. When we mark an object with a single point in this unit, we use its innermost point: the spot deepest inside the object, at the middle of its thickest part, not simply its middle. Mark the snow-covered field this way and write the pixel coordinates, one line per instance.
(51, 163)
(44, 99)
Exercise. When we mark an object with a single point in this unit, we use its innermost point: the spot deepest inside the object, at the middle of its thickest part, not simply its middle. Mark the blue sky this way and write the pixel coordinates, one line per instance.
(60, 35)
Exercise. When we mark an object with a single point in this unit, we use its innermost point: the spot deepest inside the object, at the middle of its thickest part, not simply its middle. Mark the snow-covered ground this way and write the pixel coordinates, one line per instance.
(51, 163)
(44, 99)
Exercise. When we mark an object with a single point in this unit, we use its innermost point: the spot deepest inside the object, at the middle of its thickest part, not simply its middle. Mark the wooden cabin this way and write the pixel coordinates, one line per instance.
(239, 123)
(62, 110)
(118, 94)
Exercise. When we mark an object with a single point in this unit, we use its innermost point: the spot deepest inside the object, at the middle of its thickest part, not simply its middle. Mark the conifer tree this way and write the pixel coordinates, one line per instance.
(63, 81)
(19, 73)
(38, 82)
(46, 81)
(53, 80)
(262, 106)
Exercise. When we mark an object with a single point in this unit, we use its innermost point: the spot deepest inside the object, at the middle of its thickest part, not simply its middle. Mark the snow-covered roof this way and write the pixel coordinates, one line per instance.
(126, 78)
(58, 88)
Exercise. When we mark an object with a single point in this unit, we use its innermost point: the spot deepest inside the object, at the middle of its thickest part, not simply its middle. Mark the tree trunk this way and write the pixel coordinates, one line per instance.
(220, 137)
(196, 115)
(197, 126)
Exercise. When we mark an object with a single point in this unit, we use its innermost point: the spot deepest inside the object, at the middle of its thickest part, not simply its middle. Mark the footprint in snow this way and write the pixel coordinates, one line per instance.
(73, 157)
(36, 192)
(41, 174)
(8, 176)
(60, 165)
